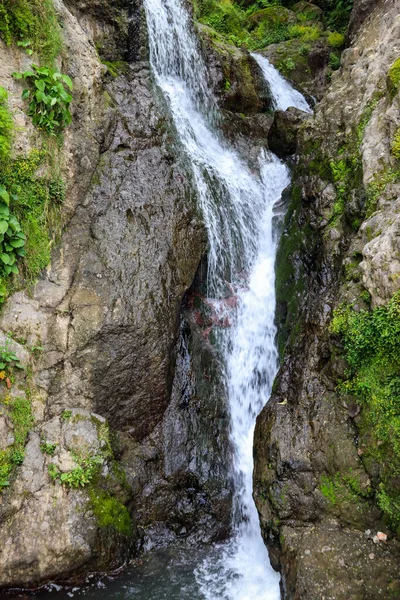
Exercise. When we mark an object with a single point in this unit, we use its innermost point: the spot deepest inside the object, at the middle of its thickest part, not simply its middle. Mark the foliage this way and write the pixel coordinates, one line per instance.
(396, 144)
(393, 78)
(48, 448)
(31, 24)
(338, 17)
(335, 40)
(20, 413)
(372, 349)
(83, 474)
(8, 359)
(6, 125)
(334, 61)
(305, 32)
(267, 22)
(31, 200)
(48, 99)
(110, 512)
(12, 239)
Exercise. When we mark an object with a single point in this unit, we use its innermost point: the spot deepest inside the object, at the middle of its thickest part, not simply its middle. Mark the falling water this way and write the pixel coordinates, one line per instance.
(237, 206)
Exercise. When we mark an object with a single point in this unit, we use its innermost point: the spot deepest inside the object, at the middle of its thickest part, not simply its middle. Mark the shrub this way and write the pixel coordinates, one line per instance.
(335, 40)
(305, 33)
(48, 99)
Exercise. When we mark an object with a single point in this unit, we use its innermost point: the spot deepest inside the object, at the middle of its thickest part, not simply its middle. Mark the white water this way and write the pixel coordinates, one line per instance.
(282, 92)
(237, 205)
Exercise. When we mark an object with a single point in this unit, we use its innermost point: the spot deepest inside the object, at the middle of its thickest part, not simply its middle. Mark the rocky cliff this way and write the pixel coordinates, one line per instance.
(326, 461)
(113, 436)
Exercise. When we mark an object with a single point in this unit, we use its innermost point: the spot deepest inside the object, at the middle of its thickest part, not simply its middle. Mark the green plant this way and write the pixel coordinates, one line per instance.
(393, 78)
(305, 33)
(82, 475)
(372, 350)
(334, 61)
(19, 412)
(396, 144)
(12, 239)
(286, 65)
(335, 40)
(6, 125)
(338, 17)
(8, 359)
(110, 512)
(48, 99)
(32, 25)
(48, 448)
(66, 415)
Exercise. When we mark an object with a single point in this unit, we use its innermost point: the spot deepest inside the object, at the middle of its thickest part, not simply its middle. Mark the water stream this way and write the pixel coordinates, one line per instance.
(238, 210)
(237, 205)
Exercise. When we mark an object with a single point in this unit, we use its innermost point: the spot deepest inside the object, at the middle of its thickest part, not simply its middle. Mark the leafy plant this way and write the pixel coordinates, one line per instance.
(20, 413)
(48, 98)
(8, 358)
(80, 476)
(12, 239)
(48, 448)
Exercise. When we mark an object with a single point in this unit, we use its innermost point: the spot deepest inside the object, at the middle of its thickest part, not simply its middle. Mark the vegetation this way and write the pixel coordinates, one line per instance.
(6, 125)
(84, 473)
(110, 512)
(396, 144)
(269, 22)
(18, 411)
(372, 349)
(393, 78)
(33, 217)
(31, 24)
(48, 99)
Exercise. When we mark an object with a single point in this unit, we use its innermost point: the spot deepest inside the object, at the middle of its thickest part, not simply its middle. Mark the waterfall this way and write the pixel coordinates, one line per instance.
(237, 206)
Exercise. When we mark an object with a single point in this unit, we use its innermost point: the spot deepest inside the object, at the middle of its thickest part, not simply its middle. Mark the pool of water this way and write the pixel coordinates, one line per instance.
(162, 575)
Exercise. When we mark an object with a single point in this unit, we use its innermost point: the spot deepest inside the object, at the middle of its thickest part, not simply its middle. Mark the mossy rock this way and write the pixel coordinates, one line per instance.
(393, 78)
(271, 17)
(314, 11)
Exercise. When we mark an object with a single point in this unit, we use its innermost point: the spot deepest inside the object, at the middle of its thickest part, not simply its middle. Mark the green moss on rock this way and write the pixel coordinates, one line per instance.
(393, 78)
(110, 512)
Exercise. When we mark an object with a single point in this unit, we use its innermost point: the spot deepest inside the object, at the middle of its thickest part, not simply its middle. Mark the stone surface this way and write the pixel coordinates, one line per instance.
(331, 253)
(282, 137)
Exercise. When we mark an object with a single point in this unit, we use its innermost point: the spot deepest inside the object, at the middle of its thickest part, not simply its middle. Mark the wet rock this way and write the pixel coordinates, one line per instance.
(304, 449)
(282, 137)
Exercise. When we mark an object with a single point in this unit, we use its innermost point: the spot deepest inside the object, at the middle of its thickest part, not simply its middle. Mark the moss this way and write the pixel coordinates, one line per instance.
(372, 350)
(35, 205)
(396, 144)
(6, 126)
(33, 24)
(18, 410)
(393, 78)
(116, 68)
(110, 512)
(367, 114)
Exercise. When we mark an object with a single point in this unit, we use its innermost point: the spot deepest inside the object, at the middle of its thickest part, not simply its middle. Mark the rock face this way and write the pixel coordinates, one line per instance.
(315, 485)
(106, 311)
(124, 439)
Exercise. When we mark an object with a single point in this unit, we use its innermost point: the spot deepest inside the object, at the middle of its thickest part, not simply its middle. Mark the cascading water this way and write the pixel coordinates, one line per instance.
(238, 210)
